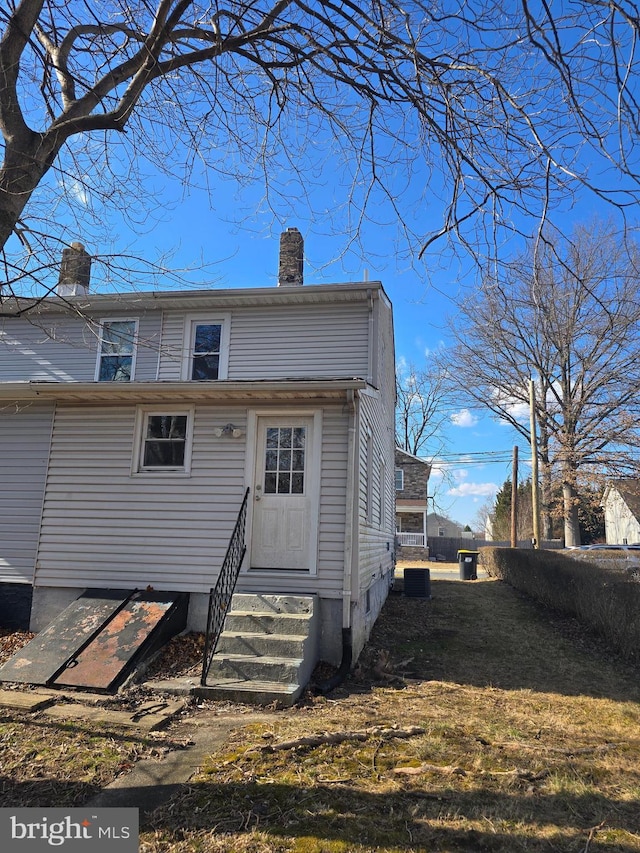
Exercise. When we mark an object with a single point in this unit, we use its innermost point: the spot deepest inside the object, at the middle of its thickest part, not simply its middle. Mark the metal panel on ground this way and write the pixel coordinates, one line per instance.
(128, 636)
(44, 656)
(95, 642)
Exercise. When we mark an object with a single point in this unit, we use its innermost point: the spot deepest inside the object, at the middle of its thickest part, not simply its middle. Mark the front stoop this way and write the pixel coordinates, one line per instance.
(267, 650)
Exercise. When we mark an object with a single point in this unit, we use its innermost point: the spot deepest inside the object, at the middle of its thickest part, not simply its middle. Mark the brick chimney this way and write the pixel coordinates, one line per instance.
(290, 271)
(75, 271)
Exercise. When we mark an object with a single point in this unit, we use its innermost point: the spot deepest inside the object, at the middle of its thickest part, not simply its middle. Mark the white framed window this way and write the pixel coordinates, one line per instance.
(399, 479)
(207, 348)
(117, 350)
(163, 441)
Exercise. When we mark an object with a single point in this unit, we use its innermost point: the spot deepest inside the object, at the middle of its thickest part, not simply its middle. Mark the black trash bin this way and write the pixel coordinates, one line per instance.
(468, 565)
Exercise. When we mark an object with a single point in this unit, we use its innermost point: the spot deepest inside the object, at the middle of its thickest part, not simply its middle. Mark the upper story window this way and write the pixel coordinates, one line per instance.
(399, 479)
(207, 348)
(117, 350)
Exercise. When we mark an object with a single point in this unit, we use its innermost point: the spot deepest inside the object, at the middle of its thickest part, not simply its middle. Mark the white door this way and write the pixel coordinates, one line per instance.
(283, 494)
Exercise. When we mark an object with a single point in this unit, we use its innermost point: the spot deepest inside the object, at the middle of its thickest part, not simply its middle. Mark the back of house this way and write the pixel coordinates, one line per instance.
(133, 424)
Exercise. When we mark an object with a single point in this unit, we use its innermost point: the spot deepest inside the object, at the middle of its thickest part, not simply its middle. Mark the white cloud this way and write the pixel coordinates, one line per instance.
(464, 418)
(518, 411)
(464, 490)
(80, 193)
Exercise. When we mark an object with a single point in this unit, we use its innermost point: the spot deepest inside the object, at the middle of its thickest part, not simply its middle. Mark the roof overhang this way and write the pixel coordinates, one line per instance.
(193, 300)
(275, 391)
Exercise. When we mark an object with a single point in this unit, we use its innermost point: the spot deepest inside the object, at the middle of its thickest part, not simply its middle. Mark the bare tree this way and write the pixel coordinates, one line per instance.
(567, 315)
(509, 107)
(422, 398)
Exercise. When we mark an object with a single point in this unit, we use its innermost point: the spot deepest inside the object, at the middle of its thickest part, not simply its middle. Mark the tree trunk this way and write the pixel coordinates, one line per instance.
(571, 523)
(26, 162)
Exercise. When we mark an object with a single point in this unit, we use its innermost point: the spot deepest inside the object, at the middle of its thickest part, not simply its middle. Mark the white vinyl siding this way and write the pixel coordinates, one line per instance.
(103, 527)
(25, 433)
(281, 342)
(376, 528)
(64, 349)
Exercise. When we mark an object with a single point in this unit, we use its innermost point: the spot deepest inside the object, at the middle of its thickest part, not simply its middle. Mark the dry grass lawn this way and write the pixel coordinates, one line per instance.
(528, 739)
(475, 721)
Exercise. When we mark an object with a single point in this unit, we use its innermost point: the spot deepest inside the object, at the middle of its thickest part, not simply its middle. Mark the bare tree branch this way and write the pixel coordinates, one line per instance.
(566, 315)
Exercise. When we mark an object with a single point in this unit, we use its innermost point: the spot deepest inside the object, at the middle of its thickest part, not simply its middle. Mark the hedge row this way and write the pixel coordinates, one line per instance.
(603, 594)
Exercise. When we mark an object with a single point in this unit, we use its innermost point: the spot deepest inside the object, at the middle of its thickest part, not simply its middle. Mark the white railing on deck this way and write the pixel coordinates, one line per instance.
(413, 539)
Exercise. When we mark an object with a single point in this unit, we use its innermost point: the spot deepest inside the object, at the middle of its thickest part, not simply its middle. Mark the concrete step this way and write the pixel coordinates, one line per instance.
(251, 668)
(255, 622)
(262, 645)
(272, 603)
(267, 650)
(253, 693)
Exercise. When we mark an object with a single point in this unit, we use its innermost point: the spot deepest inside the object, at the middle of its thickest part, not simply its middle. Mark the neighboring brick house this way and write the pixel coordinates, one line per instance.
(412, 477)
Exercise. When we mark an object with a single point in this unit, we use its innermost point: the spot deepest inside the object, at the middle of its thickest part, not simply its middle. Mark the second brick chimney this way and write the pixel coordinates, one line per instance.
(75, 271)
(290, 270)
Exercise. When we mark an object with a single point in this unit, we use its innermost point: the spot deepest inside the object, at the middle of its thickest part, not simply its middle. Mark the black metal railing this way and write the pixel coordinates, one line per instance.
(220, 596)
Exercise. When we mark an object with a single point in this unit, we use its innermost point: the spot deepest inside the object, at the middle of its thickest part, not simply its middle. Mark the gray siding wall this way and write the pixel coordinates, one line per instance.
(64, 349)
(291, 341)
(25, 432)
(376, 534)
(102, 526)
(376, 492)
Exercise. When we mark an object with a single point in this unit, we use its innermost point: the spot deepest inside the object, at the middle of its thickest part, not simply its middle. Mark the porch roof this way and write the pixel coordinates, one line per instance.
(411, 506)
(285, 390)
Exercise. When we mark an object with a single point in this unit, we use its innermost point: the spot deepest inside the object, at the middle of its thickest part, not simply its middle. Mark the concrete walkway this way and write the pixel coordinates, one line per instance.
(152, 782)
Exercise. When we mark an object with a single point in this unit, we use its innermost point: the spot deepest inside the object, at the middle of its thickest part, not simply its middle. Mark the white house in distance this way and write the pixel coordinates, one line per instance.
(621, 504)
(132, 425)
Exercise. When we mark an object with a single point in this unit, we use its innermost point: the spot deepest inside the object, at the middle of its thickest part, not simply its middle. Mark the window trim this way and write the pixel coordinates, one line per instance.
(134, 351)
(140, 432)
(395, 474)
(190, 323)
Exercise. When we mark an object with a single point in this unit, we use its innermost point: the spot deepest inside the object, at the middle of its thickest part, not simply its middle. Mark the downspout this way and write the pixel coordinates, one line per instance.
(350, 551)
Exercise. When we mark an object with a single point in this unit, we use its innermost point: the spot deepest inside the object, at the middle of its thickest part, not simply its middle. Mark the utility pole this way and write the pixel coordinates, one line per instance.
(535, 497)
(514, 499)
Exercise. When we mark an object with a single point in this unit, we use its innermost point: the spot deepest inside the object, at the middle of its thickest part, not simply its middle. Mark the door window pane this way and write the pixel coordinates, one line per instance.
(284, 460)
